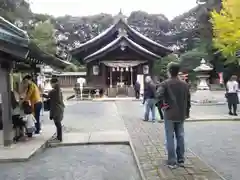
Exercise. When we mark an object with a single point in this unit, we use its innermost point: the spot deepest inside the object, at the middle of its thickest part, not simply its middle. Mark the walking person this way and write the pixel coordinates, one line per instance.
(175, 93)
(149, 99)
(56, 106)
(33, 95)
(159, 103)
(137, 89)
(232, 95)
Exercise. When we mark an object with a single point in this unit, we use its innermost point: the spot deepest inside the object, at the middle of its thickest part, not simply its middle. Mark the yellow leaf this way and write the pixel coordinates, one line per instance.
(226, 28)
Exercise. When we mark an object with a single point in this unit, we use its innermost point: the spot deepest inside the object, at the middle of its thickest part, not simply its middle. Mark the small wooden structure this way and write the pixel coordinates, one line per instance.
(68, 79)
(19, 54)
(118, 57)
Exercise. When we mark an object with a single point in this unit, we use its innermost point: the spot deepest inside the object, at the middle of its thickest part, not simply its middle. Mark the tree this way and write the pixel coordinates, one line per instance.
(160, 66)
(43, 36)
(226, 29)
(15, 10)
(192, 59)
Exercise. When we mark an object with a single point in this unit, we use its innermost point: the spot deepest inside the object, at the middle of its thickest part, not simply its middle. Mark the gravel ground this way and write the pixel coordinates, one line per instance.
(95, 162)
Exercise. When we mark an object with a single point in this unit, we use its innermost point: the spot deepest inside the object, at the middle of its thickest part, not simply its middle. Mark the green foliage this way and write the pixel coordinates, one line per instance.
(15, 10)
(75, 61)
(226, 28)
(41, 17)
(43, 36)
(192, 59)
(160, 66)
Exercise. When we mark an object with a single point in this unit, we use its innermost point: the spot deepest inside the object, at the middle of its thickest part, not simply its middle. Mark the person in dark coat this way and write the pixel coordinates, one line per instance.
(175, 93)
(137, 90)
(56, 106)
(149, 99)
(159, 103)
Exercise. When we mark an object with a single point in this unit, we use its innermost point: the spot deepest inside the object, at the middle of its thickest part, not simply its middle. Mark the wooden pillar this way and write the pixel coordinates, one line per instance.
(11, 80)
(131, 71)
(110, 77)
(121, 76)
(5, 90)
(104, 75)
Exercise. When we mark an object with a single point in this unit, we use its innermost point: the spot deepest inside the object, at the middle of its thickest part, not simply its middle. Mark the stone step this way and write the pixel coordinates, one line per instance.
(104, 137)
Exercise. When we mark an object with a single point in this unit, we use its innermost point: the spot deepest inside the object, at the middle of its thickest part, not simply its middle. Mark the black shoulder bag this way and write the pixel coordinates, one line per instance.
(172, 112)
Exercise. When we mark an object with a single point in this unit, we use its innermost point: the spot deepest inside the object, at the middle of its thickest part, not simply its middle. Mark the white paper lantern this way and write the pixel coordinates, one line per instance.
(113, 69)
(127, 69)
(122, 70)
(95, 70)
(117, 68)
(145, 69)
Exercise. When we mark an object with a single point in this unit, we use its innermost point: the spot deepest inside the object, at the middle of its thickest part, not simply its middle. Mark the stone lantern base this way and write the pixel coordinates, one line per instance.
(206, 97)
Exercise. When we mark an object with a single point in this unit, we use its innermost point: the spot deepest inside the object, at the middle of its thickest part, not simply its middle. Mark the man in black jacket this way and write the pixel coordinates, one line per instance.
(149, 99)
(175, 93)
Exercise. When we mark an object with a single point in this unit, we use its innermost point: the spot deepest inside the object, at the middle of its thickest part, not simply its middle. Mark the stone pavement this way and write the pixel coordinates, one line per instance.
(22, 151)
(87, 122)
(218, 144)
(148, 142)
(218, 112)
(87, 162)
(84, 123)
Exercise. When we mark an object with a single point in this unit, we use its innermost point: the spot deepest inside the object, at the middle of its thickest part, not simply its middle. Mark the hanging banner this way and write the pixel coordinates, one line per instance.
(220, 75)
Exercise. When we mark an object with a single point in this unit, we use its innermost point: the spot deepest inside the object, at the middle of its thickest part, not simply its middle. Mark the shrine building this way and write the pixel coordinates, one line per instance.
(118, 57)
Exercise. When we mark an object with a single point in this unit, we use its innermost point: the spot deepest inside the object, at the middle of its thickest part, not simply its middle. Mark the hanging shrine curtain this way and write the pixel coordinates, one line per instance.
(122, 64)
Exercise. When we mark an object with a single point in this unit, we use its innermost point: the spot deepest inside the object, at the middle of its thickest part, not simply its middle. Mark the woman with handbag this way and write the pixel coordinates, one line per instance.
(56, 106)
(232, 95)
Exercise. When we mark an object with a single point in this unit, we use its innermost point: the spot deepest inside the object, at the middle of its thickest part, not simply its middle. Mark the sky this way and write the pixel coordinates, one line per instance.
(170, 8)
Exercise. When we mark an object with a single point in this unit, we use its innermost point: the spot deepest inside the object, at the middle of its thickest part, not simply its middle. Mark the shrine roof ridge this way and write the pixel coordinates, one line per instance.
(11, 33)
(102, 34)
(111, 30)
(12, 28)
(148, 39)
(117, 43)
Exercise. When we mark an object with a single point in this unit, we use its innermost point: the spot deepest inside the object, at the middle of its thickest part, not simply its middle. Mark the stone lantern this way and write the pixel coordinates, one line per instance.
(203, 95)
(203, 74)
